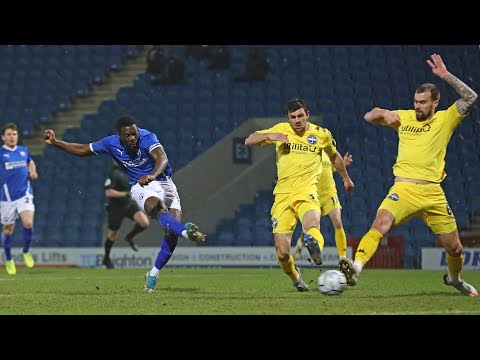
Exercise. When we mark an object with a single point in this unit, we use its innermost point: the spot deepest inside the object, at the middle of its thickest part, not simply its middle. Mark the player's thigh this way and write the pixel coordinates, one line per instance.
(141, 218)
(438, 215)
(26, 209)
(131, 209)
(141, 193)
(402, 201)
(165, 191)
(170, 195)
(307, 208)
(8, 212)
(26, 216)
(25, 203)
(283, 216)
(328, 202)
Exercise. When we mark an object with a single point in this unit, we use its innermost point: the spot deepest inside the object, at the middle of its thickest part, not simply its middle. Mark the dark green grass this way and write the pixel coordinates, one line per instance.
(212, 291)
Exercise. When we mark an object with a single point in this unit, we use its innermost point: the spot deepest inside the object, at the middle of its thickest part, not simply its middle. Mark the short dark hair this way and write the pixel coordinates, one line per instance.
(9, 125)
(429, 87)
(126, 120)
(295, 104)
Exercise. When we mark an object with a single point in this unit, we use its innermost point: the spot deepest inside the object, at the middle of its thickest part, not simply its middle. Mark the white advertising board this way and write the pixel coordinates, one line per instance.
(124, 257)
(435, 258)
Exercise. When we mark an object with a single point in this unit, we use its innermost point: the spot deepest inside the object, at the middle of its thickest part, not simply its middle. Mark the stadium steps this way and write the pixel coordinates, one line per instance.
(91, 102)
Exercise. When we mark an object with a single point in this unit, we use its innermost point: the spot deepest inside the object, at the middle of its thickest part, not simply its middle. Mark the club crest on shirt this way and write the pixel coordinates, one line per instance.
(312, 139)
(22, 153)
(274, 223)
(394, 197)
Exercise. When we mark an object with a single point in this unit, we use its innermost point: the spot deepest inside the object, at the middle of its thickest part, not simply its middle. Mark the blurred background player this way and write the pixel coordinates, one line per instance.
(17, 168)
(423, 137)
(120, 205)
(298, 145)
(329, 206)
(143, 159)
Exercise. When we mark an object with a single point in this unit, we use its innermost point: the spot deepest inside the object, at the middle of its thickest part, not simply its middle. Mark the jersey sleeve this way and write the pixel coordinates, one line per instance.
(150, 142)
(453, 117)
(278, 128)
(327, 142)
(101, 147)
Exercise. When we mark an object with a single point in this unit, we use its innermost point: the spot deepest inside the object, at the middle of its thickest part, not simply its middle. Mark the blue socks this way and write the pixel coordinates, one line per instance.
(7, 242)
(166, 250)
(7, 246)
(170, 223)
(27, 239)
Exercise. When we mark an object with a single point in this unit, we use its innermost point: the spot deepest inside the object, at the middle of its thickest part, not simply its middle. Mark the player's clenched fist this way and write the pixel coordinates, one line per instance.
(49, 136)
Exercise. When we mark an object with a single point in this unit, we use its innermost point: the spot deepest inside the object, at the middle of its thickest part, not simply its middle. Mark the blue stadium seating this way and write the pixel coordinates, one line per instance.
(342, 81)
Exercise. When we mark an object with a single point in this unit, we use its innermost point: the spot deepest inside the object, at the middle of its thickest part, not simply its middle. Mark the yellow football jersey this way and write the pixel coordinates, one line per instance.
(299, 162)
(422, 146)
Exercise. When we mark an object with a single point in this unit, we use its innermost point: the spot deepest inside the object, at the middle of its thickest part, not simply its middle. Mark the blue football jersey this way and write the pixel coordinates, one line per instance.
(14, 176)
(134, 165)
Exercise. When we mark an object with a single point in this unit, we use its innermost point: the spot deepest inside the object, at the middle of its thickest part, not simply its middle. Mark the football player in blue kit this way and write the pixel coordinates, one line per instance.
(140, 155)
(17, 168)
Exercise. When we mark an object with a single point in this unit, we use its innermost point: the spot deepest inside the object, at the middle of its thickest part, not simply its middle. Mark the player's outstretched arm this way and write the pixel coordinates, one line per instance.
(257, 138)
(468, 96)
(71, 148)
(382, 117)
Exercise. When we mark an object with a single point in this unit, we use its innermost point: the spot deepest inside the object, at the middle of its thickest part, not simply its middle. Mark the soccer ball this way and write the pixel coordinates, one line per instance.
(332, 282)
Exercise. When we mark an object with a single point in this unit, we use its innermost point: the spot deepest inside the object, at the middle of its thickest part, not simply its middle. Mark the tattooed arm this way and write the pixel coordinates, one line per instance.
(468, 96)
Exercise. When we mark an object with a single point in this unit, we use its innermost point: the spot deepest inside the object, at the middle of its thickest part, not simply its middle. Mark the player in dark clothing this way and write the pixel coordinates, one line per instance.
(119, 206)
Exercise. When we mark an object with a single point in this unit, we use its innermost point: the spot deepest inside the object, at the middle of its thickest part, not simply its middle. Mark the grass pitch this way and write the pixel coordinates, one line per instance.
(227, 291)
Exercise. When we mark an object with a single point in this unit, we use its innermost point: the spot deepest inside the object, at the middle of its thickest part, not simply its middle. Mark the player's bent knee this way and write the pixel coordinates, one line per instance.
(454, 250)
(283, 256)
(383, 221)
(7, 231)
(283, 253)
